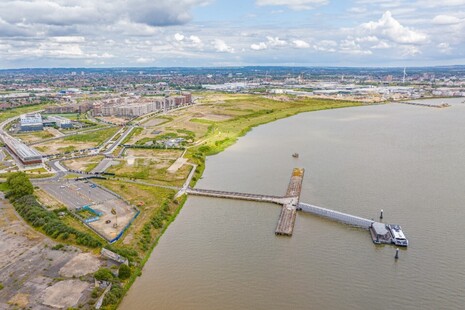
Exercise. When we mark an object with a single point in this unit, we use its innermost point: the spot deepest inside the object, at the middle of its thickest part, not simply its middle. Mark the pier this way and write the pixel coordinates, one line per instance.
(288, 214)
(240, 196)
(430, 105)
(290, 202)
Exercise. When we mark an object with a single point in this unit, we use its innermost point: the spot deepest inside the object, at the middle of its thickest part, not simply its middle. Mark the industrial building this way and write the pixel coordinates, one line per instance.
(26, 155)
(59, 121)
(31, 122)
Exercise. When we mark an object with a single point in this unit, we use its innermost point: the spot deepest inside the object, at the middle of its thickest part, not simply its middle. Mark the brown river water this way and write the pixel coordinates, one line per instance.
(407, 160)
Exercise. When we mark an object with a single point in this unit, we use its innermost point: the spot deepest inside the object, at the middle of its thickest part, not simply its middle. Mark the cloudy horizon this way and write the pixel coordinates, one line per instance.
(144, 33)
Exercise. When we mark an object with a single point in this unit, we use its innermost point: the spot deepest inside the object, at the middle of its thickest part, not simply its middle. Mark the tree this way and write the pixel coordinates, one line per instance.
(19, 185)
(124, 272)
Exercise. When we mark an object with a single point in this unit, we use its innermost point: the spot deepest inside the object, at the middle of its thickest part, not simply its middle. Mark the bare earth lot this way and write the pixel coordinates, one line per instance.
(78, 194)
(33, 275)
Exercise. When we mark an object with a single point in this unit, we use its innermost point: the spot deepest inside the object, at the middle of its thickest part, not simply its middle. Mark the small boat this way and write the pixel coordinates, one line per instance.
(295, 155)
(398, 237)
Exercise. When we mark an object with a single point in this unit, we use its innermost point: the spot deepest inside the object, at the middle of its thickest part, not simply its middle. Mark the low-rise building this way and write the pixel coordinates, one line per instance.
(60, 121)
(31, 122)
(26, 155)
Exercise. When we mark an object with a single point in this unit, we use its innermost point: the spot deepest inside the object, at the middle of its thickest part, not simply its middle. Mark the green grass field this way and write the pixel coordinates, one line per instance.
(98, 136)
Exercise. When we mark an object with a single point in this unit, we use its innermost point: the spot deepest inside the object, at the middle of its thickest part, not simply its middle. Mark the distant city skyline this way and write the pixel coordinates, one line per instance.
(164, 33)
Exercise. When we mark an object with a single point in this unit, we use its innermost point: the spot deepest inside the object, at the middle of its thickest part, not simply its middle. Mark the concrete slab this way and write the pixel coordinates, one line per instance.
(64, 294)
(82, 264)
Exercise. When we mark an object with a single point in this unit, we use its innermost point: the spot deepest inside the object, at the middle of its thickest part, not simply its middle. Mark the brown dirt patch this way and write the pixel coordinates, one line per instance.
(21, 300)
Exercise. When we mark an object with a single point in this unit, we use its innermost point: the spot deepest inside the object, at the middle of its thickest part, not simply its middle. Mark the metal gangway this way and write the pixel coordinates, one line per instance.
(337, 216)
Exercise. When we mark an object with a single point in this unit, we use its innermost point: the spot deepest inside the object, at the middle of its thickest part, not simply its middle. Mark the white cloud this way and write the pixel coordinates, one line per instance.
(446, 20)
(294, 4)
(442, 3)
(444, 47)
(410, 50)
(300, 44)
(258, 47)
(178, 37)
(371, 39)
(195, 39)
(326, 46)
(388, 27)
(221, 46)
(351, 47)
(275, 41)
(68, 39)
(381, 45)
(82, 12)
(144, 60)
(357, 10)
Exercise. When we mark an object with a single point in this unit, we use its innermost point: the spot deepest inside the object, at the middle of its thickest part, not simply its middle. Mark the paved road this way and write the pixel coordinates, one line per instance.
(103, 165)
(118, 142)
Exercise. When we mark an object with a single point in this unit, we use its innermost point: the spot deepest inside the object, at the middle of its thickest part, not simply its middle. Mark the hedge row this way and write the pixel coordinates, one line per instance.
(28, 207)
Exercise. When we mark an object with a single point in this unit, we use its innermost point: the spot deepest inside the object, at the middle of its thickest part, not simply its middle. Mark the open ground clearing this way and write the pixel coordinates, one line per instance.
(114, 120)
(60, 146)
(34, 136)
(47, 200)
(29, 267)
(85, 164)
(151, 170)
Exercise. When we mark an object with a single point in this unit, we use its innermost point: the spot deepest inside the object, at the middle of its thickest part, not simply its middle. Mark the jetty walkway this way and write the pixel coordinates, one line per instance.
(291, 204)
(430, 105)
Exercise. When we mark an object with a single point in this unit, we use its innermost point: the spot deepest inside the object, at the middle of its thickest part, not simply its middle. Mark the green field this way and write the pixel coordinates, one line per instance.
(98, 136)
(6, 114)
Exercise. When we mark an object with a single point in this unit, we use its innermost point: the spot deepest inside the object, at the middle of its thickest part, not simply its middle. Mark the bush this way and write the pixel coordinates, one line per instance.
(58, 246)
(19, 185)
(104, 274)
(124, 272)
(114, 295)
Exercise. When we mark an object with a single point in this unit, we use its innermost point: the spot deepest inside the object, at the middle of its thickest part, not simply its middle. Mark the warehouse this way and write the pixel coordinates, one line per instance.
(25, 154)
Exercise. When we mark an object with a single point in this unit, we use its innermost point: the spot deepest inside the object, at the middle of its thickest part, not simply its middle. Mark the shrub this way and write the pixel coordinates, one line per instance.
(19, 185)
(28, 207)
(104, 274)
(124, 272)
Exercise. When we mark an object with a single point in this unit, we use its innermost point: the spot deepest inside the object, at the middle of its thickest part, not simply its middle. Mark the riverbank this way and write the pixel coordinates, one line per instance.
(208, 128)
(237, 114)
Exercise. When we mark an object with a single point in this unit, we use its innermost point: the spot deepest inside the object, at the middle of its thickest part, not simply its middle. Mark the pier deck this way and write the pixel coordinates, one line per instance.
(291, 204)
(288, 214)
(422, 104)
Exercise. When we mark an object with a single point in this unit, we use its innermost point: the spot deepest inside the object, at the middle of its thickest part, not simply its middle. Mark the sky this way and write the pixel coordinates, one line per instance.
(189, 33)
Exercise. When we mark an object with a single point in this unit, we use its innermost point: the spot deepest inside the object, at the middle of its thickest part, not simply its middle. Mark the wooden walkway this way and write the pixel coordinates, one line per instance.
(290, 201)
(288, 214)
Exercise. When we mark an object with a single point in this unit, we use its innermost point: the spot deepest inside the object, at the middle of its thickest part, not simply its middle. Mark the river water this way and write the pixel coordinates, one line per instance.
(407, 160)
